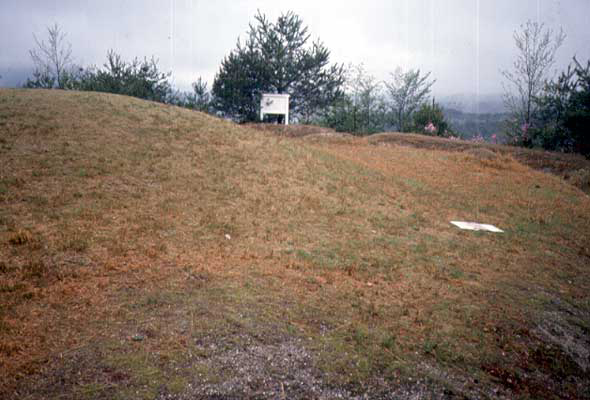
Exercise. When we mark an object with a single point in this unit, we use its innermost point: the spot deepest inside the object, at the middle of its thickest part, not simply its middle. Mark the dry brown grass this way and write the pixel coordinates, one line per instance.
(293, 130)
(567, 166)
(116, 270)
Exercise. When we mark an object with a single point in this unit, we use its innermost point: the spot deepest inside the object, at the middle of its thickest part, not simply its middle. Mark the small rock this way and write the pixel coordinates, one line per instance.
(227, 236)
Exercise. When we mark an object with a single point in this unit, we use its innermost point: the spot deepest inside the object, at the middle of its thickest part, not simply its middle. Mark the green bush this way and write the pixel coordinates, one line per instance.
(430, 120)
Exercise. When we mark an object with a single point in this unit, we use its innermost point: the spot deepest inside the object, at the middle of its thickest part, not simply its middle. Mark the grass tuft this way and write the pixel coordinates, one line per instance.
(21, 237)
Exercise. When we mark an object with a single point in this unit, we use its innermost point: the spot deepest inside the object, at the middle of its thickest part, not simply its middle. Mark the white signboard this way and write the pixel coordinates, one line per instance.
(275, 104)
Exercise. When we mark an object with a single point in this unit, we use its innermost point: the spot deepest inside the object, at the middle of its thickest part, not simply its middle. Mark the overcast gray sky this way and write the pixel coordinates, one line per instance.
(463, 42)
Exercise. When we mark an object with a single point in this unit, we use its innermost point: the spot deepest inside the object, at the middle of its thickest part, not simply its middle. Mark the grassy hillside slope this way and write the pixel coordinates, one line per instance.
(148, 251)
(573, 168)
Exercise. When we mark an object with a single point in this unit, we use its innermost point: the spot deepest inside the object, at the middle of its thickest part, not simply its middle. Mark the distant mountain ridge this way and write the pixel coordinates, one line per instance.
(473, 103)
(470, 125)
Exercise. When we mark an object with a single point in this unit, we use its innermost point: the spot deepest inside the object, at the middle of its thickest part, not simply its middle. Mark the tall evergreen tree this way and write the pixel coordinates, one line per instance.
(136, 78)
(578, 115)
(275, 58)
(563, 114)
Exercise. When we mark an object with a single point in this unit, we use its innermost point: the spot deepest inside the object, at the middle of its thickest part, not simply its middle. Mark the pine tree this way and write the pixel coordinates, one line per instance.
(276, 59)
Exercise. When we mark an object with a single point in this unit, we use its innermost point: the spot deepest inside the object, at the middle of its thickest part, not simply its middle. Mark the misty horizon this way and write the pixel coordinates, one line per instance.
(464, 44)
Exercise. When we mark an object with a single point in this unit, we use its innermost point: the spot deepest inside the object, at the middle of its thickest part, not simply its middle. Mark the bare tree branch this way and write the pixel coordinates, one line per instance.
(536, 47)
(52, 59)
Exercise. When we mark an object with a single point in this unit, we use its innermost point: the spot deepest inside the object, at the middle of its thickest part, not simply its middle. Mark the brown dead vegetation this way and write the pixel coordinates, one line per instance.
(567, 166)
(139, 242)
(573, 168)
(293, 130)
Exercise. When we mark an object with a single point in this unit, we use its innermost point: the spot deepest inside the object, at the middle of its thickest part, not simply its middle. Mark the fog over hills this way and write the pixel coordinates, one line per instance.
(472, 115)
(490, 103)
(13, 77)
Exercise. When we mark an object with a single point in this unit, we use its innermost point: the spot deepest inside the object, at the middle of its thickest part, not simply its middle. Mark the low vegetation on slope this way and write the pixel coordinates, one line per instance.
(573, 168)
(149, 251)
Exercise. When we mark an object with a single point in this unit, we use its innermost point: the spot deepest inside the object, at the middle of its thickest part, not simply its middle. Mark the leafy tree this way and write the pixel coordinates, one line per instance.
(430, 120)
(367, 99)
(550, 131)
(275, 59)
(361, 110)
(536, 47)
(577, 119)
(407, 91)
(340, 115)
(52, 60)
(564, 112)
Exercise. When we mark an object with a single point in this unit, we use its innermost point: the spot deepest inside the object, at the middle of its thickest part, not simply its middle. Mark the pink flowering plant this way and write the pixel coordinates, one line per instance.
(430, 128)
(478, 138)
(430, 120)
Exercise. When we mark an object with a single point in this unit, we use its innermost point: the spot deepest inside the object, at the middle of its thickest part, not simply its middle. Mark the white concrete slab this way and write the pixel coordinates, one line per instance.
(474, 226)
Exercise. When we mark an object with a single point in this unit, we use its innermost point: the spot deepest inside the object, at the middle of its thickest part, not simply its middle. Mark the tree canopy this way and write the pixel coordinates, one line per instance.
(362, 109)
(429, 119)
(536, 47)
(407, 91)
(563, 113)
(276, 58)
(137, 78)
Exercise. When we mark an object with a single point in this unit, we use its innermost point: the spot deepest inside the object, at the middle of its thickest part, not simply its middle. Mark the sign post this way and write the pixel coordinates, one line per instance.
(275, 104)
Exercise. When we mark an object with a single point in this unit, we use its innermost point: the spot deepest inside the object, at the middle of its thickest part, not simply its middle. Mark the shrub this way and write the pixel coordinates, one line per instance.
(430, 120)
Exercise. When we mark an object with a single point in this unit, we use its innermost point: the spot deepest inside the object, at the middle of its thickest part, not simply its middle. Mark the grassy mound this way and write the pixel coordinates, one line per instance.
(148, 250)
(573, 168)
